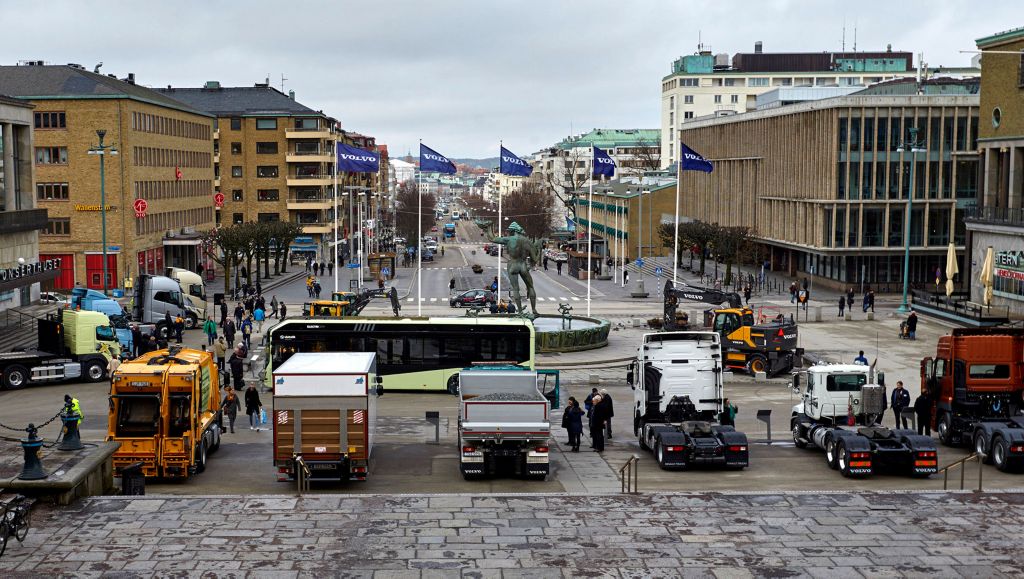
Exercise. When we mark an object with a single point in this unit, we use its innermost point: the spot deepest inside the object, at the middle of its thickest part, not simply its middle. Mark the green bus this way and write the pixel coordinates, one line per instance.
(423, 354)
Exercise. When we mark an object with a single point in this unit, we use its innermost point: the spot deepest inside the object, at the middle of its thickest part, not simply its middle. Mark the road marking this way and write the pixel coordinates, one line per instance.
(433, 299)
(563, 298)
(575, 299)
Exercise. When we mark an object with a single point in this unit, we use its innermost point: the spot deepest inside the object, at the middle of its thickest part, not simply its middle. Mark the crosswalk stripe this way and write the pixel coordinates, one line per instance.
(575, 299)
(563, 298)
(433, 299)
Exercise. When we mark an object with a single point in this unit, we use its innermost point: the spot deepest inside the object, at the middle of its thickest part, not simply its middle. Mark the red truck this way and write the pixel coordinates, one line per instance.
(976, 381)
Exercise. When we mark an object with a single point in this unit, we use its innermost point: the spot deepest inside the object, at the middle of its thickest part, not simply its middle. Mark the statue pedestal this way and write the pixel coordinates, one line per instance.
(638, 290)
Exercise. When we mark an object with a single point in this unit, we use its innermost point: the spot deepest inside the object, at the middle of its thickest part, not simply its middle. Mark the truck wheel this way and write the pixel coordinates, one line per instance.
(15, 376)
(201, 456)
(945, 428)
(659, 454)
(161, 331)
(1000, 450)
(757, 363)
(831, 453)
(981, 447)
(797, 436)
(843, 460)
(214, 438)
(191, 322)
(94, 371)
(453, 384)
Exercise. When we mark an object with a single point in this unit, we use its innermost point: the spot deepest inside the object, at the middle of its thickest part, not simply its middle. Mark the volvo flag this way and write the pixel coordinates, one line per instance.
(356, 160)
(433, 162)
(690, 160)
(513, 165)
(603, 164)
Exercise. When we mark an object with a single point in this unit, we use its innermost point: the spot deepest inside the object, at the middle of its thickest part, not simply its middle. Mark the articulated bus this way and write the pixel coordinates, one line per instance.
(412, 353)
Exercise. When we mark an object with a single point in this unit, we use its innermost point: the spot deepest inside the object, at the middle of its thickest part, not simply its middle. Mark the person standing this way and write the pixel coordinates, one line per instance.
(871, 300)
(273, 306)
(494, 284)
(545, 261)
(849, 298)
(900, 401)
(247, 333)
(746, 294)
(72, 407)
(210, 329)
(330, 268)
(923, 410)
(558, 266)
(729, 410)
(792, 293)
(625, 275)
(572, 421)
(253, 407)
(223, 313)
(112, 365)
(259, 315)
(239, 312)
(842, 305)
(597, 421)
(861, 359)
(230, 407)
(179, 327)
(229, 331)
(588, 403)
(865, 302)
(451, 287)
(911, 324)
(283, 312)
(235, 363)
(137, 339)
(316, 267)
(609, 412)
(316, 289)
(220, 349)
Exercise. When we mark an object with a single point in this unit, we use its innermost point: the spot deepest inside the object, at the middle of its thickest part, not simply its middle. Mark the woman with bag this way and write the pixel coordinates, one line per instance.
(572, 421)
(230, 407)
(253, 407)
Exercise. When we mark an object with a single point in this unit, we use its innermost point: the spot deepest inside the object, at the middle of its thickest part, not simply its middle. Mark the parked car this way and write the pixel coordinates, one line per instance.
(476, 297)
(428, 255)
(53, 298)
(434, 228)
(493, 250)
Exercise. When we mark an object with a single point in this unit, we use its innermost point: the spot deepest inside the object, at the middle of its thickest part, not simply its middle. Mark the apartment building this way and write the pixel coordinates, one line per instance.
(824, 187)
(157, 194)
(705, 84)
(627, 216)
(998, 220)
(21, 270)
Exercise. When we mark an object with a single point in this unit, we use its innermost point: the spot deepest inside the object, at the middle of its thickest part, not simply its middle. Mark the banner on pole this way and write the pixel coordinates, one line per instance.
(356, 160)
(603, 163)
(513, 165)
(433, 162)
(691, 160)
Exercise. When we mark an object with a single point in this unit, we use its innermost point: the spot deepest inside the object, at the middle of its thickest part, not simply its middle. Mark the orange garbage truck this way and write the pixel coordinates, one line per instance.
(165, 412)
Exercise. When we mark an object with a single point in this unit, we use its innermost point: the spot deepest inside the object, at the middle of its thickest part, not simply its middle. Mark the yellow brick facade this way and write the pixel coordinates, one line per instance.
(619, 216)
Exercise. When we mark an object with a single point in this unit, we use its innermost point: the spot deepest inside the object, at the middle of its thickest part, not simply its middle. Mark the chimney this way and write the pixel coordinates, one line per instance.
(291, 94)
(758, 47)
(131, 78)
(888, 47)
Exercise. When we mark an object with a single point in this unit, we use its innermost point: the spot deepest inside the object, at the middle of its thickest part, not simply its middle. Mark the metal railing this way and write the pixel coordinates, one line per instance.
(328, 176)
(302, 474)
(310, 199)
(14, 317)
(996, 215)
(962, 463)
(629, 475)
(304, 153)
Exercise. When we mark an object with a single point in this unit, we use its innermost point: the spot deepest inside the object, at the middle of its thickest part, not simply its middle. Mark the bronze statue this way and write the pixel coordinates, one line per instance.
(521, 249)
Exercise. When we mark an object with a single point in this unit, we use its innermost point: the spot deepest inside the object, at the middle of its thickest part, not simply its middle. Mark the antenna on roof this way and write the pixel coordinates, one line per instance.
(855, 36)
(844, 34)
(96, 68)
(282, 81)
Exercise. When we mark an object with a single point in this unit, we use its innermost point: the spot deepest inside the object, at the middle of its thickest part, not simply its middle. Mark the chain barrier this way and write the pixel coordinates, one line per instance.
(40, 427)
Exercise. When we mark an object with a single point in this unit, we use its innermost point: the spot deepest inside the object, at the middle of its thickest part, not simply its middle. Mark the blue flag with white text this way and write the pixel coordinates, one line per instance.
(603, 163)
(433, 162)
(356, 160)
(691, 160)
(513, 165)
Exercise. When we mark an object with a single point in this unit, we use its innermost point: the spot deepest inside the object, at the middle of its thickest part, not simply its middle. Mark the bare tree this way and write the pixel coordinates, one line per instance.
(230, 241)
(566, 184)
(407, 205)
(283, 233)
(646, 156)
(531, 207)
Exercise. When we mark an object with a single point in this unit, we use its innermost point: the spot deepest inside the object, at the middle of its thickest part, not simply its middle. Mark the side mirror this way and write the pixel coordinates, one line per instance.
(380, 385)
(629, 378)
(795, 384)
(880, 378)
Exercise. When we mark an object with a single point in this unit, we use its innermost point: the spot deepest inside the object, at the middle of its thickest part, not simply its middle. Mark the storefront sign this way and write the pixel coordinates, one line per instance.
(29, 269)
(1014, 259)
(218, 200)
(140, 206)
(80, 207)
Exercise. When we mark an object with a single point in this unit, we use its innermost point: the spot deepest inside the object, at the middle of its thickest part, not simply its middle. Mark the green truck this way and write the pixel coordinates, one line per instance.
(73, 345)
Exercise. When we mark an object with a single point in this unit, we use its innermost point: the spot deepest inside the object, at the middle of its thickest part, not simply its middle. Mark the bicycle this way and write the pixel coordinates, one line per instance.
(15, 520)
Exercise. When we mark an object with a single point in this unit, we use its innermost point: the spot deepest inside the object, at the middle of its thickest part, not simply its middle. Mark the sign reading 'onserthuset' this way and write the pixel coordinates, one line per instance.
(29, 269)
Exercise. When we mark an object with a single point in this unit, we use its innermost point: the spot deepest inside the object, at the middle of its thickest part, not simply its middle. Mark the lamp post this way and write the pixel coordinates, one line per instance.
(103, 150)
(913, 146)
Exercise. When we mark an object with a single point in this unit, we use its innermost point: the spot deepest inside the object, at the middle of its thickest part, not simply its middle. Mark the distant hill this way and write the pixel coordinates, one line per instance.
(488, 163)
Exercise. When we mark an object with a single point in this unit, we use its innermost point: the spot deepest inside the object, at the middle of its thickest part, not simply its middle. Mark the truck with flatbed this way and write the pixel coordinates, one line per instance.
(325, 412)
(677, 382)
(839, 410)
(975, 383)
(165, 412)
(503, 423)
(72, 345)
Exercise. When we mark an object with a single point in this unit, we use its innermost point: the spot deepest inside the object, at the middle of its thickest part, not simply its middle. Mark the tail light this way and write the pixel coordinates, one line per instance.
(927, 454)
(738, 448)
(860, 459)
(781, 334)
(1017, 448)
(541, 449)
(675, 448)
(359, 469)
(860, 455)
(468, 449)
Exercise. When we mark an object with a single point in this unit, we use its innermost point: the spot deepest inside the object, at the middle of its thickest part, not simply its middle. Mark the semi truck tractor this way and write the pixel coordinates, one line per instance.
(975, 383)
(503, 423)
(193, 288)
(155, 297)
(165, 412)
(839, 408)
(325, 411)
(677, 399)
(73, 345)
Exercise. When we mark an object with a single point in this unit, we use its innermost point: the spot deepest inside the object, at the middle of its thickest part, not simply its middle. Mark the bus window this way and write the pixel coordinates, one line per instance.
(459, 351)
(423, 351)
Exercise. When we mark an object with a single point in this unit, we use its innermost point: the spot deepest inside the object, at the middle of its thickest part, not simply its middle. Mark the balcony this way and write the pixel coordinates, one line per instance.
(310, 180)
(309, 157)
(23, 220)
(297, 203)
(216, 134)
(1005, 216)
(318, 133)
(315, 227)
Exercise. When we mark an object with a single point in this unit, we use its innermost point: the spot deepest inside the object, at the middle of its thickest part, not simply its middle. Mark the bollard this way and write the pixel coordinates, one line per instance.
(33, 469)
(766, 417)
(434, 417)
(72, 436)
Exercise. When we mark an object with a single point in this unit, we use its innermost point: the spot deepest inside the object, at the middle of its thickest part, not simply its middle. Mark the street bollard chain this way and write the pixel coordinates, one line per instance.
(55, 417)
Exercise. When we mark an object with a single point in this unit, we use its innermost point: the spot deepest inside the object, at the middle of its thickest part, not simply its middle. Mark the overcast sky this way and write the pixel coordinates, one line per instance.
(462, 75)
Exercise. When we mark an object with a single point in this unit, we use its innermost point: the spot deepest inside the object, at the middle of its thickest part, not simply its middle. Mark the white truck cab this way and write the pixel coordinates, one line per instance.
(835, 391)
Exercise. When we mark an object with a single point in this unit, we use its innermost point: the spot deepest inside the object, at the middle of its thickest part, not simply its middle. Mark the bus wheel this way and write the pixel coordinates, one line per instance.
(453, 384)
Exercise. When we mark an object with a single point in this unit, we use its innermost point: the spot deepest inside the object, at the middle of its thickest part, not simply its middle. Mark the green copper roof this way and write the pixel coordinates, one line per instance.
(1012, 34)
(606, 138)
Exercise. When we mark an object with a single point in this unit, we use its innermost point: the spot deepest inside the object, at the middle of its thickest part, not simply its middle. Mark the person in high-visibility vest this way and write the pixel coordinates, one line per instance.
(71, 406)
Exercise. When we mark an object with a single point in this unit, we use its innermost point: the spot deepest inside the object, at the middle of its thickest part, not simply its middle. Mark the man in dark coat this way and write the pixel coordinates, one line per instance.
(900, 400)
(912, 326)
(572, 421)
(923, 410)
(609, 412)
(235, 363)
(597, 421)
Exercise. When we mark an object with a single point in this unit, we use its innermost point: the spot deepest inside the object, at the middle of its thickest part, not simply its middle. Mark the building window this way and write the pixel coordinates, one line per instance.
(266, 124)
(688, 99)
(718, 99)
(757, 81)
(689, 82)
(307, 124)
(268, 217)
(237, 218)
(236, 123)
(671, 119)
(734, 98)
(266, 171)
(1020, 70)
(50, 120)
(687, 114)
(236, 148)
(51, 155)
(266, 148)
(236, 172)
(730, 82)
(997, 117)
(267, 194)
(58, 226)
(52, 191)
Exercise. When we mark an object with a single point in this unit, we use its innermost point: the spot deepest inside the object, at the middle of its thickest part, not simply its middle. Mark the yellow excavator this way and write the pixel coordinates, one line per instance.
(749, 346)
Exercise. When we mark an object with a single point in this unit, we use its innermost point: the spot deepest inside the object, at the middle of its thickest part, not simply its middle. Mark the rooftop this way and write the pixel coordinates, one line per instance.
(1001, 37)
(69, 81)
(932, 86)
(607, 138)
(257, 100)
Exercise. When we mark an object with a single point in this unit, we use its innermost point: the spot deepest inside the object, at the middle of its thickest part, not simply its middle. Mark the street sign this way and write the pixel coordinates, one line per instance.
(386, 271)
(658, 271)
(218, 199)
(140, 206)
(113, 248)
(639, 262)
(352, 265)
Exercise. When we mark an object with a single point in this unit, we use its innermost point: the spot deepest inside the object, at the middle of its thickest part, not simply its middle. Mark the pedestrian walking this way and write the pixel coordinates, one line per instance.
(322, 268)
(792, 293)
(545, 261)
(871, 300)
(728, 416)
(330, 268)
(451, 286)
(112, 366)
(861, 359)
(849, 298)
(223, 312)
(842, 305)
(865, 302)
(230, 407)
(625, 276)
(220, 349)
(179, 326)
(315, 267)
(494, 284)
(137, 340)
(923, 410)
(746, 294)
(572, 422)
(900, 401)
(247, 332)
(283, 313)
(259, 288)
(273, 306)
(609, 412)
(911, 325)
(229, 331)
(597, 420)
(235, 363)
(558, 266)
(316, 289)
(239, 314)
(210, 329)
(258, 316)
(253, 406)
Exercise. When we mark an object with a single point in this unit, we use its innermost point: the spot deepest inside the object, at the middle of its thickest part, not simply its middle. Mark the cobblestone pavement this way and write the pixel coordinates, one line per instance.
(659, 535)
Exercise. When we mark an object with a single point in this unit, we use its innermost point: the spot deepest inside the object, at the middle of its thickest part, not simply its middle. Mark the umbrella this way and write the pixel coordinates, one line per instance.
(986, 275)
(951, 269)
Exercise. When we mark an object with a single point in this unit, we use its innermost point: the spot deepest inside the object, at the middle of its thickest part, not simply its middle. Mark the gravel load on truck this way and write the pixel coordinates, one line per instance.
(504, 397)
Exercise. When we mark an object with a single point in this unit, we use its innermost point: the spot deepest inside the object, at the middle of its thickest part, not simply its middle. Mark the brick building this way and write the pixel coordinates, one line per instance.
(165, 157)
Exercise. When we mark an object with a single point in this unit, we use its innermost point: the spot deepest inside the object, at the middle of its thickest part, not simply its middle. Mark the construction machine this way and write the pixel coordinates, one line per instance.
(749, 345)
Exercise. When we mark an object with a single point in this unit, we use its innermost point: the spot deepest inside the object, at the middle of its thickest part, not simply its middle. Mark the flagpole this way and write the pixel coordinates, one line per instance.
(614, 248)
(336, 268)
(419, 235)
(500, 222)
(675, 250)
(622, 242)
(590, 224)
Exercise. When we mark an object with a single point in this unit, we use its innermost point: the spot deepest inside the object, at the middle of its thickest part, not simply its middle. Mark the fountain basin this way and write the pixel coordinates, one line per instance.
(582, 333)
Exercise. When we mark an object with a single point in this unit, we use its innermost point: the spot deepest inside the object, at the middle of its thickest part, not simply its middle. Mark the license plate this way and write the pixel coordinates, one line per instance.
(315, 466)
(505, 452)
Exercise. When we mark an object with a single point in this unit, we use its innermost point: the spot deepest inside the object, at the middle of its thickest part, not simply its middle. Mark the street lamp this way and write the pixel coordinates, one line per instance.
(103, 150)
(913, 146)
